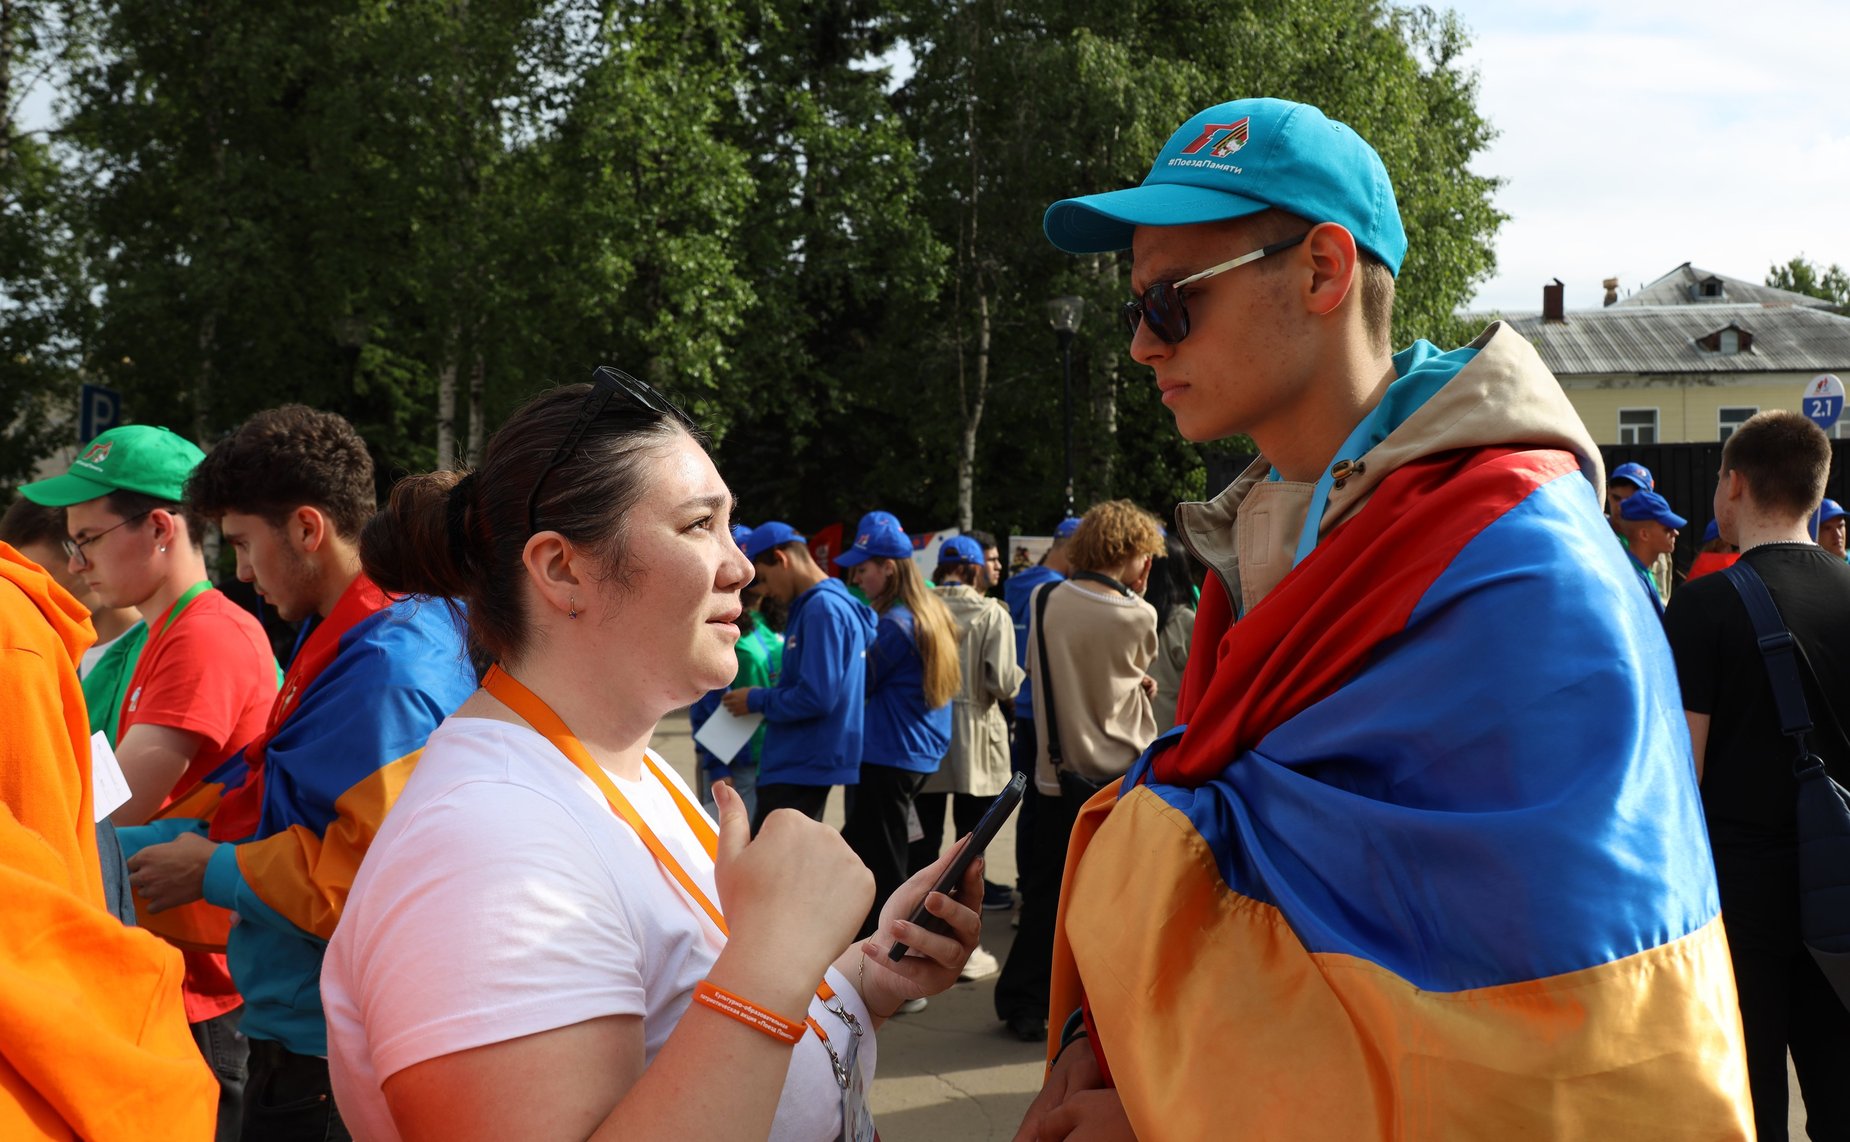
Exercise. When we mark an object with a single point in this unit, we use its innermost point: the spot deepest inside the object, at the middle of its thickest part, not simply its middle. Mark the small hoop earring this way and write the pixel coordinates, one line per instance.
(573, 613)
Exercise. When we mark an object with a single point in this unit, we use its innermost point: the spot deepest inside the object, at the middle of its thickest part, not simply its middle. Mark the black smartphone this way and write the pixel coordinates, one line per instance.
(985, 831)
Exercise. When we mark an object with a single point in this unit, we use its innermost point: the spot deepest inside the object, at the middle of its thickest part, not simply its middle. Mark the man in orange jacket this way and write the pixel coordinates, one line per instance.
(93, 1039)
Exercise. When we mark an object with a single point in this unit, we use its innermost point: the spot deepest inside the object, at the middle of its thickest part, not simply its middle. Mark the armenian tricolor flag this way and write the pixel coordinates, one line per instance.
(1427, 859)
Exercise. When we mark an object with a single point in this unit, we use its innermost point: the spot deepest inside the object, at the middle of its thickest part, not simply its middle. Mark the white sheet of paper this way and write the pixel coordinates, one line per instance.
(725, 734)
(109, 789)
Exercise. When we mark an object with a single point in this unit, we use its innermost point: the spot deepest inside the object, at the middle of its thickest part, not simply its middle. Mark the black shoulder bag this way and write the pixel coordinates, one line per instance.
(1823, 805)
(1071, 782)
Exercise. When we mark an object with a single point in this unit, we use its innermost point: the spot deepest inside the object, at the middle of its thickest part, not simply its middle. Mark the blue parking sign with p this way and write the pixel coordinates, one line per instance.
(1824, 401)
(100, 410)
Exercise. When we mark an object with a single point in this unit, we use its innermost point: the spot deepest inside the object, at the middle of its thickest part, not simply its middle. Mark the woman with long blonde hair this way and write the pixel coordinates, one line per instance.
(912, 675)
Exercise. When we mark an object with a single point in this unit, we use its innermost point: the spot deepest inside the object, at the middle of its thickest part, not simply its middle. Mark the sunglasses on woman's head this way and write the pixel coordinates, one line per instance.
(1161, 304)
(606, 382)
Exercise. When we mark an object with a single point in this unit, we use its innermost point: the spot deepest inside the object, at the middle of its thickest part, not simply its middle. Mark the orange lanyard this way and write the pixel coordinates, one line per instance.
(540, 716)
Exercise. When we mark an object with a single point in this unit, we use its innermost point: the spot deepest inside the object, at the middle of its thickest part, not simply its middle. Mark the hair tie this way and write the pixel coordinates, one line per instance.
(458, 504)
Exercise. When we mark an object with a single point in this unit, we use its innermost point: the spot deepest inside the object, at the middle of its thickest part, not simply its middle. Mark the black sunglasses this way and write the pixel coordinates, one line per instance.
(1161, 304)
(606, 382)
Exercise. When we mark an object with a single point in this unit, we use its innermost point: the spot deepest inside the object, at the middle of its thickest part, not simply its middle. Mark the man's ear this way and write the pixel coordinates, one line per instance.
(307, 528)
(1330, 250)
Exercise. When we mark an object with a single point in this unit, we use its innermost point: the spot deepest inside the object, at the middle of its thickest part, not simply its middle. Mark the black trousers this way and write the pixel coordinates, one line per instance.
(290, 1097)
(966, 810)
(1022, 988)
(876, 830)
(228, 1052)
(1022, 745)
(808, 800)
(1786, 1003)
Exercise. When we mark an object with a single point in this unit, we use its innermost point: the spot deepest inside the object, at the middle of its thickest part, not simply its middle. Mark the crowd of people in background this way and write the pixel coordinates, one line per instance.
(1369, 778)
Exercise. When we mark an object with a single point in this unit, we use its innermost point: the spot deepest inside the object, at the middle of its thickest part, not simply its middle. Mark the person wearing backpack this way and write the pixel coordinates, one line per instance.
(1772, 478)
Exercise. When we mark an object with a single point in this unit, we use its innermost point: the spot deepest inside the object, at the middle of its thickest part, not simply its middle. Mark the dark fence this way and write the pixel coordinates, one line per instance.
(1686, 475)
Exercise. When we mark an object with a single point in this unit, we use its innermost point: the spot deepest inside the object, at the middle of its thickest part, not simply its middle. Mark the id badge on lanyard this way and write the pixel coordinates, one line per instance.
(857, 1121)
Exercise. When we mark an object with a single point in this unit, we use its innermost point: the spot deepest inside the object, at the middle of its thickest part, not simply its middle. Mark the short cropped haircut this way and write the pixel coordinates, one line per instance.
(27, 523)
(285, 458)
(1373, 279)
(133, 505)
(1784, 458)
(1111, 534)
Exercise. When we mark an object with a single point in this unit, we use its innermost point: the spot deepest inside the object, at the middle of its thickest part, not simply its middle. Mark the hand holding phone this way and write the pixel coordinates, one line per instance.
(973, 846)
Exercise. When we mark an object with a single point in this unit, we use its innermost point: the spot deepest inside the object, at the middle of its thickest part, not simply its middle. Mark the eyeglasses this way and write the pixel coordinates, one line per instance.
(74, 548)
(606, 383)
(1161, 303)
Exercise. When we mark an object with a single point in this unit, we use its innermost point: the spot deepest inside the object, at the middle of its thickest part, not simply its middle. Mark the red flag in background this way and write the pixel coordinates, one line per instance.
(825, 545)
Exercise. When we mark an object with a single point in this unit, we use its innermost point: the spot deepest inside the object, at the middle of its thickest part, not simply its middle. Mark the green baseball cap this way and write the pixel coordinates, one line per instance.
(133, 458)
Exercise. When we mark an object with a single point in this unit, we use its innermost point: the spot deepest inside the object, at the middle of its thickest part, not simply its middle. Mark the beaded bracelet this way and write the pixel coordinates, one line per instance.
(745, 1011)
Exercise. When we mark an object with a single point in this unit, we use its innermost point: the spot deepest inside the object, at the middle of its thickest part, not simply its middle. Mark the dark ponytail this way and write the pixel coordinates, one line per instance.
(462, 537)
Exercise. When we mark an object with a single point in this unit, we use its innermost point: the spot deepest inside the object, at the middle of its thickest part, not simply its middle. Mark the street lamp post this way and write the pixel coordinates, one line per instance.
(1063, 314)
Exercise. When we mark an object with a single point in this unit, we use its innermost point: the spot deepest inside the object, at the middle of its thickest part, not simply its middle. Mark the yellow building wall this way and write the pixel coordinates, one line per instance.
(1686, 412)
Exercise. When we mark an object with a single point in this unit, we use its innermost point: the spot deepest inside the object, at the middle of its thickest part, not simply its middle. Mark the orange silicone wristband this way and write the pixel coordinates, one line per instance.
(747, 1012)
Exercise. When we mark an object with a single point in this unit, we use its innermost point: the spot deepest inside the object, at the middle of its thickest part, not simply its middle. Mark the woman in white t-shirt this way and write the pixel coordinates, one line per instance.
(515, 959)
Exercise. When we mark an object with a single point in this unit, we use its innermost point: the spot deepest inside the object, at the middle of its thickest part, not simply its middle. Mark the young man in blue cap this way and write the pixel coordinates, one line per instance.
(1650, 531)
(1622, 482)
(815, 710)
(1772, 474)
(1374, 864)
(1827, 525)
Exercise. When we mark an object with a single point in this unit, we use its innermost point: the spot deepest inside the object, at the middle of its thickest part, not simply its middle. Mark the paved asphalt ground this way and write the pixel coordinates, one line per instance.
(952, 1071)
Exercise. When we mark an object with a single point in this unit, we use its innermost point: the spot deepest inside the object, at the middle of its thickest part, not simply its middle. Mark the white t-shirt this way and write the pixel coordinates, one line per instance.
(502, 898)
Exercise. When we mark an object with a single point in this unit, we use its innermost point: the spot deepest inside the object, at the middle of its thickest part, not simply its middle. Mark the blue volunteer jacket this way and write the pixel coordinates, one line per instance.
(901, 732)
(1019, 591)
(816, 709)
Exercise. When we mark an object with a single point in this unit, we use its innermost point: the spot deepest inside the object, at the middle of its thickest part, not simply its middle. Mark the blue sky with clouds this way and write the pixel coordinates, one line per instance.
(1640, 134)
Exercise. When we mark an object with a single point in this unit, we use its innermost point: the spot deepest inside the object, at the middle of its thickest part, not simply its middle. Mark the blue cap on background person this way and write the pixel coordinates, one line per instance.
(878, 534)
(1636, 474)
(741, 533)
(1827, 511)
(1241, 158)
(765, 536)
(1645, 504)
(1066, 527)
(1712, 532)
(960, 549)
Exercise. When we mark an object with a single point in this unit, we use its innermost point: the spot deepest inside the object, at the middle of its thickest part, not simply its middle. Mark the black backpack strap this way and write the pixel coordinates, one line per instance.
(1043, 693)
(1779, 649)
(1095, 577)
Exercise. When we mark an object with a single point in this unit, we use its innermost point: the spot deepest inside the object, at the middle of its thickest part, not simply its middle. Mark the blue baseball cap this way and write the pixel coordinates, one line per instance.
(1712, 532)
(765, 536)
(960, 549)
(1827, 511)
(878, 534)
(1066, 527)
(1241, 158)
(1636, 473)
(741, 533)
(1645, 504)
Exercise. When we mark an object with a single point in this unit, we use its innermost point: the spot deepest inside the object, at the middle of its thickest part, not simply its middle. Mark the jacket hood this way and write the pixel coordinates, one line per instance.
(70, 622)
(964, 603)
(1494, 391)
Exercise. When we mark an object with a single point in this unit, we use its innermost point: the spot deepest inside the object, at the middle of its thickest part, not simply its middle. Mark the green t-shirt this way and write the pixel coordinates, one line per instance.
(761, 659)
(107, 683)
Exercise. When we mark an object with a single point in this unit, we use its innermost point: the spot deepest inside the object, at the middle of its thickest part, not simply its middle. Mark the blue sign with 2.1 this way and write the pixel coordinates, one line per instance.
(1823, 402)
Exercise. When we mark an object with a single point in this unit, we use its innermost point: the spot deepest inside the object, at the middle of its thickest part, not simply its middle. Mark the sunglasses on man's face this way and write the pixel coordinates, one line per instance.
(606, 383)
(1161, 304)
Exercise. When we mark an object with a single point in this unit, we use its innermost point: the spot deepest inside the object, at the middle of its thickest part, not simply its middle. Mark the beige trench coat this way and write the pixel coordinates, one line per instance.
(978, 759)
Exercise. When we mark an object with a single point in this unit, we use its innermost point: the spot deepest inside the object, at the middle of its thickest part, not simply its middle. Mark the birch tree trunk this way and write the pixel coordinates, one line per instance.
(473, 457)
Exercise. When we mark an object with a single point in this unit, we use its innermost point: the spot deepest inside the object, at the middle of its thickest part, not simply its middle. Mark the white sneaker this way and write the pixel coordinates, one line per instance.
(911, 1006)
(980, 965)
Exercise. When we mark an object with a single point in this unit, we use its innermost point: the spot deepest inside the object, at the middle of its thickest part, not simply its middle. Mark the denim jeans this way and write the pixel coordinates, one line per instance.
(291, 1098)
(227, 1051)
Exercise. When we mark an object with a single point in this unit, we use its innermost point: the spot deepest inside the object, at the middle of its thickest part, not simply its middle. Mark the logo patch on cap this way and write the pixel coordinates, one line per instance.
(96, 453)
(1225, 137)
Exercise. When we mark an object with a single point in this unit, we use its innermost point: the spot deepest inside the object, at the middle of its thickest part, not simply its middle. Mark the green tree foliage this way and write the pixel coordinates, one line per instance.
(1802, 276)
(816, 222)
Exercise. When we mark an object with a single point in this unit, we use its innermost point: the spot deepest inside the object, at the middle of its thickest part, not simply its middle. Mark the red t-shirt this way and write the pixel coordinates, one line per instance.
(210, 673)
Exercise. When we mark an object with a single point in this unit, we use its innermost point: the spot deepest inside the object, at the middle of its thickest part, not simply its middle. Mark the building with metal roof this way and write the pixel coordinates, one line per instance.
(1688, 368)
